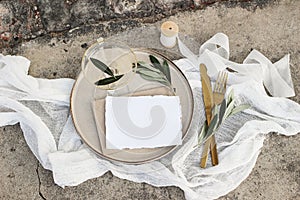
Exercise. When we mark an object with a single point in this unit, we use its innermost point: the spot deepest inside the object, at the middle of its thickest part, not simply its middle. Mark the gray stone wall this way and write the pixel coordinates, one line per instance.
(28, 19)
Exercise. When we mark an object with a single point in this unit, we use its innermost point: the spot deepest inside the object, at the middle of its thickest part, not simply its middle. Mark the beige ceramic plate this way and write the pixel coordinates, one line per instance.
(83, 94)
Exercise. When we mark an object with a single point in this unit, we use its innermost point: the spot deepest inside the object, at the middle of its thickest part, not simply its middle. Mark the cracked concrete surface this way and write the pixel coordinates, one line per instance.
(274, 30)
(39, 179)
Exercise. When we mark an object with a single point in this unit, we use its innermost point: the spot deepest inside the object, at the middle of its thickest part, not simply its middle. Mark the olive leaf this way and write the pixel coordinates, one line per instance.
(149, 73)
(155, 71)
(230, 97)
(201, 134)
(203, 131)
(206, 130)
(229, 109)
(212, 126)
(143, 65)
(239, 108)
(222, 111)
(215, 110)
(103, 67)
(156, 63)
(109, 80)
(164, 68)
(167, 70)
(150, 78)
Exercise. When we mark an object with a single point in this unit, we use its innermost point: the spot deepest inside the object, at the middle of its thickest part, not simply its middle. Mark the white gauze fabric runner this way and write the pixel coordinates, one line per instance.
(41, 107)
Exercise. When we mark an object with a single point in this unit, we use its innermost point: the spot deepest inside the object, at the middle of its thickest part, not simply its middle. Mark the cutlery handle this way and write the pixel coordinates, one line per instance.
(213, 151)
(205, 152)
(209, 146)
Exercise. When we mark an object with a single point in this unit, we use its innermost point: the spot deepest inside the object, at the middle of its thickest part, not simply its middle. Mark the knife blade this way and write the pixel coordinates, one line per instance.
(208, 104)
(206, 92)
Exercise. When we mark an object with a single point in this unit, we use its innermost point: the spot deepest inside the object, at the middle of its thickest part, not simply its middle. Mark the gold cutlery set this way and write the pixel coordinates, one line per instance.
(211, 98)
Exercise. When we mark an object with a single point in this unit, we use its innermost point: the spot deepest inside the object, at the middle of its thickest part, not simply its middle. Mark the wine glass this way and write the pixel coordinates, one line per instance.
(109, 64)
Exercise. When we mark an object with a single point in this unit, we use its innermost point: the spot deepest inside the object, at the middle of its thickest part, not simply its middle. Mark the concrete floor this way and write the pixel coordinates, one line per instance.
(274, 30)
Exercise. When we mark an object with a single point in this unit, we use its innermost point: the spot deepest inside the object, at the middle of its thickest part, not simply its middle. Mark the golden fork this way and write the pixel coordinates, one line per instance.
(218, 96)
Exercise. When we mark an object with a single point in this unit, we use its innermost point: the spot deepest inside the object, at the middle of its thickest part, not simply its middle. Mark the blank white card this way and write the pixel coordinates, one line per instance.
(143, 122)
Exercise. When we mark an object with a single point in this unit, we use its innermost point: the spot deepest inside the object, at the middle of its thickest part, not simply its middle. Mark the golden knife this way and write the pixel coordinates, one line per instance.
(208, 103)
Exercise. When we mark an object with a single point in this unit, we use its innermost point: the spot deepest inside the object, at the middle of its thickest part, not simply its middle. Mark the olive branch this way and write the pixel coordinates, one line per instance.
(220, 113)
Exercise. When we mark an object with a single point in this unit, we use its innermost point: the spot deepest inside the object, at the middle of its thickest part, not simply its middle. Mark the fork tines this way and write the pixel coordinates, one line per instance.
(220, 85)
